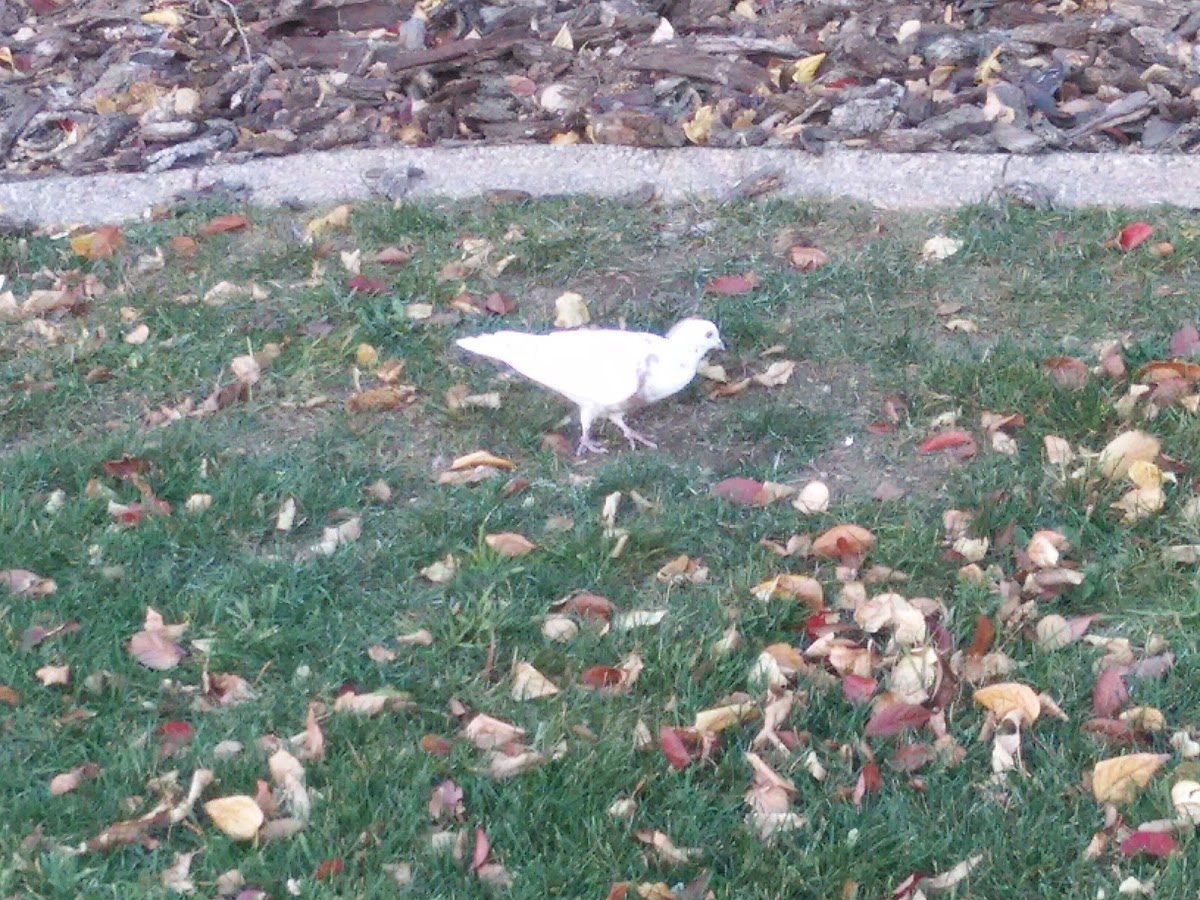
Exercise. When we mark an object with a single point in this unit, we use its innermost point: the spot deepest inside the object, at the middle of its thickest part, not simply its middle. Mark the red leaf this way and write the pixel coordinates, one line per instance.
(857, 689)
(479, 853)
(959, 441)
(738, 490)
(364, 285)
(1133, 234)
(221, 224)
(1152, 843)
(125, 466)
(672, 748)
(894, 718)
(1067, 371)
(1185, 341)
(911, 757)
(1108, 694)
(824, 622)
(731, 284)
(175, 731)
(327, 869)
(599, 677)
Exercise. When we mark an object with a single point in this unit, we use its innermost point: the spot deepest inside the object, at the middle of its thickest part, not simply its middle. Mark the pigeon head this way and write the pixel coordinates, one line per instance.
(699, 335)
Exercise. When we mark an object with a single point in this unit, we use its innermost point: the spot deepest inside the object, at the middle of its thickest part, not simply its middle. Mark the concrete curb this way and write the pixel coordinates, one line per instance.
(898, 181)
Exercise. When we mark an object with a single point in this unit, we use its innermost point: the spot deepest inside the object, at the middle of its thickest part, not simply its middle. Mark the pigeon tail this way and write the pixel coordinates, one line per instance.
(501, 345)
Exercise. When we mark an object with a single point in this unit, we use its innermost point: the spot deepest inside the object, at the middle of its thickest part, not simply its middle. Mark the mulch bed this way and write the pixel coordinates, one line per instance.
(91, 86)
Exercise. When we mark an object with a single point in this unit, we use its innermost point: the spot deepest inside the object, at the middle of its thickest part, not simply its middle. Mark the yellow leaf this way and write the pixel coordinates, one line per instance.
(721, 717)
(1124, 450)
(238, 816)
(1145, 474)
(989, 66)
(1004, 698)
(563, 40)
(570, 311)
(482, 458)
(168, 18)
(697, 127)
(805, 70)
(366, 355)
(1116, 780)
(338, 217)
(791, 587)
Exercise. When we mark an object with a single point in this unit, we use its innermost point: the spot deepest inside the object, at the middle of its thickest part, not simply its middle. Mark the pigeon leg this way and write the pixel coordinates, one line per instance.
(632, 436)
(586, 444)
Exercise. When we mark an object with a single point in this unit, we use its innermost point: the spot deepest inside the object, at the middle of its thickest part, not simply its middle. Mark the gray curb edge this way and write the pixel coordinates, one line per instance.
(895, 181)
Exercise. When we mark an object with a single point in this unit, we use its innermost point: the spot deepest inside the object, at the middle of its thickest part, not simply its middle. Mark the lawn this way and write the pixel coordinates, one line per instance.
(254, 424)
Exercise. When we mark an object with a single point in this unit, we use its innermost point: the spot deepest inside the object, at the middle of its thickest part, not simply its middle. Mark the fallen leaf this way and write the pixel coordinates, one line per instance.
(65, 782)
(843, 542)
(155, 645)
(894, 718)
(530, 684)
(1151, 843)
(731, 285)
(22, 582)
(673, 748)
(99, 244)
(1117, 780)
(390, 396)
(960, 442)
(1133, 234)
(1011, 696)
(51, 676)
(1185, 341)
(1109, 693)
(237, 816)
(940, 247)
(570, 310)
(509, 544)
(1124, 450)
(224, 223)
(805, 259)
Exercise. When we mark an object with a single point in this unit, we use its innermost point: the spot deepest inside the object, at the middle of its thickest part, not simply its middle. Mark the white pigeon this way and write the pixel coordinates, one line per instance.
(608, 373)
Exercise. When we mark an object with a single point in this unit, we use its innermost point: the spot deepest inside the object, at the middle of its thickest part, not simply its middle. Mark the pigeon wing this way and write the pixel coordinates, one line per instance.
(602, 369)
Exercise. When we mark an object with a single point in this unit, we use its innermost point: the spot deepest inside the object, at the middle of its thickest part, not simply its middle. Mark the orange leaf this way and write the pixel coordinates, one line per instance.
(806, 258)
(959, 441)
(842, 541)
(99, 244)
(729, 285)
(744, 491)
(984, 632)
(221, 224)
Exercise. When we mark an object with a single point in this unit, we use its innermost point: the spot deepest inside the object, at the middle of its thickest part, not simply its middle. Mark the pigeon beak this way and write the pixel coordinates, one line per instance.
(720, 345)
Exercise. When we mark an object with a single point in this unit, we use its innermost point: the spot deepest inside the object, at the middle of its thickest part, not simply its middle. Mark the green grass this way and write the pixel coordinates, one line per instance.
(298, 628)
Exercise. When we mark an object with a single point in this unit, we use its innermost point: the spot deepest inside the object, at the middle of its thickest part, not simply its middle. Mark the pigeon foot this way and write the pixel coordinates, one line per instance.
(587, 445)
(634, 437)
